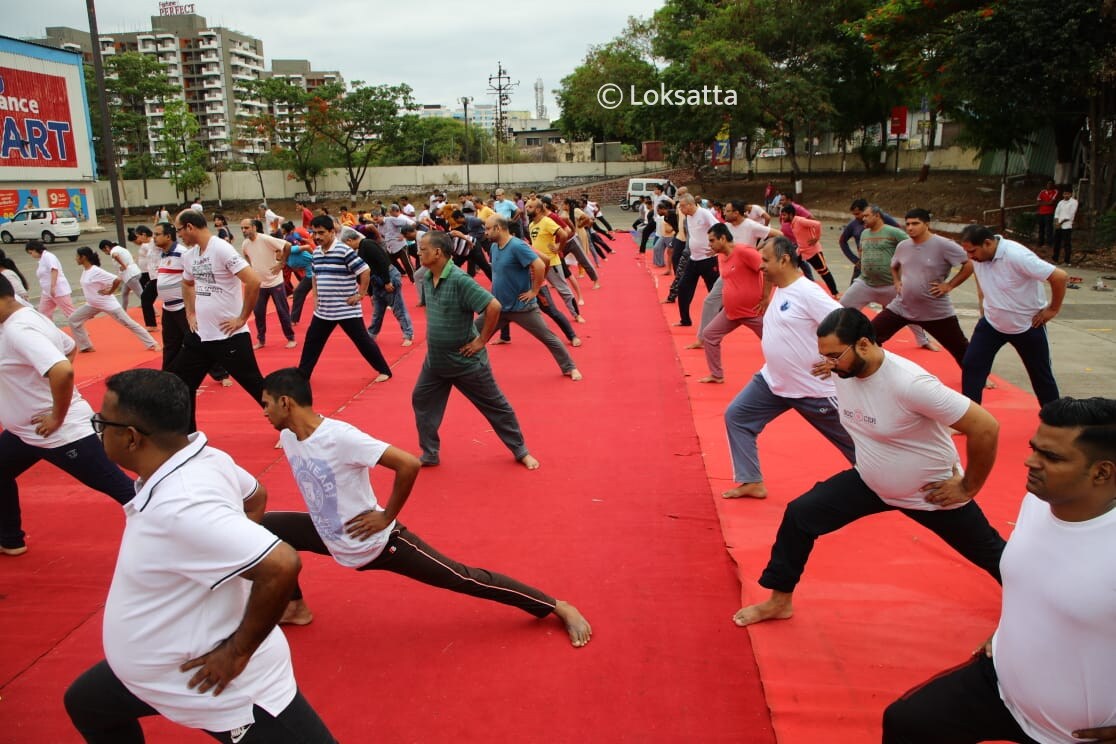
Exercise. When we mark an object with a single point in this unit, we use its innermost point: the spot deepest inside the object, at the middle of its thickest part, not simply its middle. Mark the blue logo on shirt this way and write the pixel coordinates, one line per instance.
(318, 486)
(785, 306)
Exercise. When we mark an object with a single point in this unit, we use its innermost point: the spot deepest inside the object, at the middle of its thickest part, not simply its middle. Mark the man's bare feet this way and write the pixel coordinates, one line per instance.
(575, 341)
(500, 341)
(712, 379)
(777, 607)
(529, 462)
(573, 374)
(297, 613)
(576, 624)
(746, 491)
(931, 345)
(381, 378)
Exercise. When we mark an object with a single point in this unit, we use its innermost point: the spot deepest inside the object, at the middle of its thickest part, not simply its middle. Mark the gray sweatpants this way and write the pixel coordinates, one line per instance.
(86, 312)
(532, 322)
(860, 294)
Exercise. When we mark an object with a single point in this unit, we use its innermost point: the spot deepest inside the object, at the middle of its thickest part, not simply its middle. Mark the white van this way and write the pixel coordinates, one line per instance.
(637, 189)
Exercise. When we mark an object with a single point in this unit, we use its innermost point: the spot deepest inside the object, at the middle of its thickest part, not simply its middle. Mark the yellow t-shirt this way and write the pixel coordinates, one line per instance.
(484, 212)
(544, 240)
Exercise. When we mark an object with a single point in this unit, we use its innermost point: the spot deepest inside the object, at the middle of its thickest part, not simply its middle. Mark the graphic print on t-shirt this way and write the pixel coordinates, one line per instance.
(318, 485)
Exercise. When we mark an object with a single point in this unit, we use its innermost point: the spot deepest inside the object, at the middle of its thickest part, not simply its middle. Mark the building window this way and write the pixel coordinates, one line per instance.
(534, 141)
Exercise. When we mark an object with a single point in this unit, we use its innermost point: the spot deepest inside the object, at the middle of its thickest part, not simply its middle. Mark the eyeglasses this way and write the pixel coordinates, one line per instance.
(835, 359)
(100, 424)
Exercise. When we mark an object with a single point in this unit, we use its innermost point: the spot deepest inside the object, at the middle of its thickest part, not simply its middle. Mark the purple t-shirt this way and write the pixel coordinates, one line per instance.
(920, 266)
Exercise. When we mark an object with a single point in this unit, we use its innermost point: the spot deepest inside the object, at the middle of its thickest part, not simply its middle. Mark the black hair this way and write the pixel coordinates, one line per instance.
(322, 221)
(291, 382)
(783, 246)
(36, 246)
(89, 255)
(849, 324)
(143, 230)
(788, 209)
(132, 234)
(10, 265)
(168, 230)
(407, 229)
(219, 216)
(258, 224)
(919, 214)
(1096, 417)
(287, 226)
(457, 214)
(6, 288)
(106, 244)
(156, 402)
(720, 230)
(860, 204)
(976, 235)
(738, 206)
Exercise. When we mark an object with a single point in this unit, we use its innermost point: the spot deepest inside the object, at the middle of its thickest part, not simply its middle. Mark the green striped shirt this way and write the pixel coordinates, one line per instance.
(451, 308)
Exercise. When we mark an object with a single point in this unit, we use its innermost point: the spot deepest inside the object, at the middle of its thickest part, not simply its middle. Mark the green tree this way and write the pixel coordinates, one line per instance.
(359, 124)
(133, 81)
(299, 147)
(434, 141)
(184, 156)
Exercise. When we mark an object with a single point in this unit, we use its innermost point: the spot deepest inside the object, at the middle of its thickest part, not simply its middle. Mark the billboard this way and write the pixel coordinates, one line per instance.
(45, 134)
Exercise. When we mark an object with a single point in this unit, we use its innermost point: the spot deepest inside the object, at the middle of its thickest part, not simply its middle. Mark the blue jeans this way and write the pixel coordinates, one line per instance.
(382, 300)
(756, 406)
(1032, 347)
(84, 459)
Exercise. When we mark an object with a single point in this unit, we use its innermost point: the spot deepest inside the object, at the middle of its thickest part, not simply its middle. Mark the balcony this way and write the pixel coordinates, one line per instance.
(212, 83)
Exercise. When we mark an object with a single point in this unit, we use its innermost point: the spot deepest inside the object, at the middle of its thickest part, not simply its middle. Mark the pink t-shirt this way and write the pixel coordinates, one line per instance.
(806, 230)
(742, 281)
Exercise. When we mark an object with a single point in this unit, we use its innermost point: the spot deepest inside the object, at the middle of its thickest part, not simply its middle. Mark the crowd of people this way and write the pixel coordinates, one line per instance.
(479, 266)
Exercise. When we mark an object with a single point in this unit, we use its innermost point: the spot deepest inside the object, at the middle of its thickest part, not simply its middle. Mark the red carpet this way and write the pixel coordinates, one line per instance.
(618, 521)
(884, 604)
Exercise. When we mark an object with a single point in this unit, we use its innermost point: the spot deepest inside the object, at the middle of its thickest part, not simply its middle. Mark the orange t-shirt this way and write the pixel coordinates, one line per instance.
(742, 281)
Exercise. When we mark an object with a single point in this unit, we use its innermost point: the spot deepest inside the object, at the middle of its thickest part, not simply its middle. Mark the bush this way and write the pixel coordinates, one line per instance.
(1105, 233)
(1024, 224)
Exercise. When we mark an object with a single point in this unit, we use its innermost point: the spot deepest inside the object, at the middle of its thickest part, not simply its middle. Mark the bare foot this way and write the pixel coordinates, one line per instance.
(407, 342)
(573, 374)
(576, 624)
(712, 379)
(381, 378)
(746, 491)
(575, 341)
(990, 384)
(226, 382)
(297, 613)
(694, 345)
(931, 345)
(778, 607)
(499, 341)
(529, 462)
(580, 319)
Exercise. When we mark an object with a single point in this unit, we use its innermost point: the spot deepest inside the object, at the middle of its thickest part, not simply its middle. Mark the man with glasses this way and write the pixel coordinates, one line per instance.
(198, 589)
(340, 282)
(43, 415)
(899, 415)
(795, 308)
(219, 291)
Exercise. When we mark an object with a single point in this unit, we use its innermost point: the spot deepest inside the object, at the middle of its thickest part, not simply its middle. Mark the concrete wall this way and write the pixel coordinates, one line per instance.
(950, 158)
(242, 185)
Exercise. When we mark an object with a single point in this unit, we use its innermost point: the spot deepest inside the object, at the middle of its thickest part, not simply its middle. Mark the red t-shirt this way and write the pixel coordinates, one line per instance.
(1047, 195)
(307, 215)
(742, 281)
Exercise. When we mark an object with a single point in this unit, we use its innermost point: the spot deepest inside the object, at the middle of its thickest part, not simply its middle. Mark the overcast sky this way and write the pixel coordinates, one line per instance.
(431, 45)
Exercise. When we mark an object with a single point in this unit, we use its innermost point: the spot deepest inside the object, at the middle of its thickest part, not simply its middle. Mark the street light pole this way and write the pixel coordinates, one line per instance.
(109, 153)
(468, 177)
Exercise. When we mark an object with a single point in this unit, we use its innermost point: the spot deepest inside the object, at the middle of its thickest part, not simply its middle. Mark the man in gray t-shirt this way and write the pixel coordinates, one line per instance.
(921, 267)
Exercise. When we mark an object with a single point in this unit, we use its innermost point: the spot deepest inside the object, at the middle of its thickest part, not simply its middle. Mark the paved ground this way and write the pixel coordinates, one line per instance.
(1083, 335)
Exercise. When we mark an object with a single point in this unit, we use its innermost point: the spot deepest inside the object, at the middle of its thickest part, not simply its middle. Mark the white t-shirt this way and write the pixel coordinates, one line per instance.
(177, 592)
(92, 281)
(122, 255)
(1053, 650)
(47, 263)
(147, 256)
(17, 283)
(748, 232)
(409, 210)
(756, 213)
(697, 233)
(899, 419)
(265, 253)
(30, 345)
(331, 469)
(1012, 283)
(218, 293)
(790, 340)
(1064, 213)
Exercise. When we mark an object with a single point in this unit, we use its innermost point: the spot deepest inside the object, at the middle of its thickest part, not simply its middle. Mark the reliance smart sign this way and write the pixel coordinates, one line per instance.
(35, 111)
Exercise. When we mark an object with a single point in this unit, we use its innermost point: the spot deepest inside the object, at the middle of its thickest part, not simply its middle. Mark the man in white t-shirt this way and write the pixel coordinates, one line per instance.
(330, 460)
(42, 414)
(268, 255)
(1049, 673)
(271, 221)
(795, 307)
(702, 263)
(219, 291)
(1064, 215)
(1014, 311)
(198, 589)
(899, 416)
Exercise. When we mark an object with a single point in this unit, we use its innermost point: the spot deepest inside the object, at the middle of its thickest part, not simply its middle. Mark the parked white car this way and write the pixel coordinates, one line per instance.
(44, 224)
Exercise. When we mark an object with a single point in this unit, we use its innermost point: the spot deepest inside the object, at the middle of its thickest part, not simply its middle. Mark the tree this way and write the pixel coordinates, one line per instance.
(286, 125)
(183, 155)
(359, 124)
(133, 81)
(434, 141)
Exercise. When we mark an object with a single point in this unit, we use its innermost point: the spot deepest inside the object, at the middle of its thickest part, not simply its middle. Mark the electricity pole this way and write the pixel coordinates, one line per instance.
(465, 101)
(109, 153)
(501, 86)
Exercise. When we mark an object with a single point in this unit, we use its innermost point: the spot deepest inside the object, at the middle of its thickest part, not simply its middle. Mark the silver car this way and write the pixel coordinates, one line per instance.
(43, 224)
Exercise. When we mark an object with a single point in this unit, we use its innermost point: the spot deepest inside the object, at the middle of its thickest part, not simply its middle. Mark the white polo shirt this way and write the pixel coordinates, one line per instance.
(218, 292)
(30, 344)
(1012, 286)
(177, 592)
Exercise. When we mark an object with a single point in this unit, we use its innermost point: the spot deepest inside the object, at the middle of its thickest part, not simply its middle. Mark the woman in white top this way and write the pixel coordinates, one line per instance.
(12, 273)
(148, 257)
(52, 281)
(127, 269)
(99, 287)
